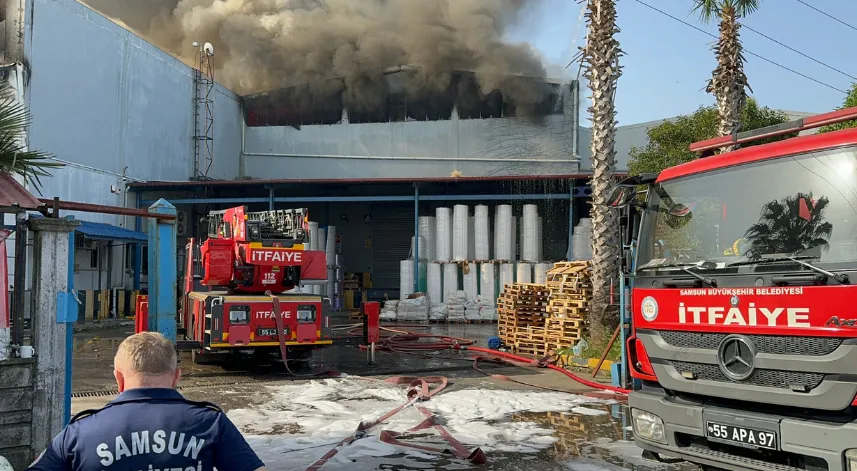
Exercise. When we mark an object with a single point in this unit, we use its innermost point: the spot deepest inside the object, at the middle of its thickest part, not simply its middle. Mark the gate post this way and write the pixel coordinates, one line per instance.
(162, 271)
(51, 316)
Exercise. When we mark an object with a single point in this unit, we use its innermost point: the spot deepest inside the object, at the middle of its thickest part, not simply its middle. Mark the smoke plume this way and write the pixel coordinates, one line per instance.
(343, 46)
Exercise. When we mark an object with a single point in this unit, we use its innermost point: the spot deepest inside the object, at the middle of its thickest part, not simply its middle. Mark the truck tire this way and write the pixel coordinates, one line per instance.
(201, 358)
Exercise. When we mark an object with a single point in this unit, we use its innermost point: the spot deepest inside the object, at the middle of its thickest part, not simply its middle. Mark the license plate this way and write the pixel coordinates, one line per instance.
(741, 435)
(270, 332)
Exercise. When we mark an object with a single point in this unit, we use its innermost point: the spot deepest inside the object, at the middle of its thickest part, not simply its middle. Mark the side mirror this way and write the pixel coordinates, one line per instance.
(622, 195)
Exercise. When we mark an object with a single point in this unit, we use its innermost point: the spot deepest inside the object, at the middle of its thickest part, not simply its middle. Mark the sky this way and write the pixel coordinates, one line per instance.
(667, 64)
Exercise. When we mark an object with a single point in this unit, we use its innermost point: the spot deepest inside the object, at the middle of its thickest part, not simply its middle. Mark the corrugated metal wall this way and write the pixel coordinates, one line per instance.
(392, 229)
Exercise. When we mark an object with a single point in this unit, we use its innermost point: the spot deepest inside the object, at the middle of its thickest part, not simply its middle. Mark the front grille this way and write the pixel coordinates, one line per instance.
(774, 344)
(767, 378)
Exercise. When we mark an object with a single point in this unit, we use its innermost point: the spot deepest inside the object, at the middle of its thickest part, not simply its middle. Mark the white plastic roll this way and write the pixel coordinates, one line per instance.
(514, 233)
(450, 280)
(471, 238)
(504, 239)
(435, 283)
(460, 223)
(507, 275)
(540, 273)
(330, 247)
(321, 240)
(482, 249)
(524, 272)
(443, 235)
(540, 241)
(406, 278)
(529, 233)
(423, 249)
(427, 232)
(471, 283)
(313, 235)
(488, 282)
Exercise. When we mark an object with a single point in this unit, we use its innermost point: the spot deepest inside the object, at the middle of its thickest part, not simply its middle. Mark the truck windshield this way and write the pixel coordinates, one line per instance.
(801, 205)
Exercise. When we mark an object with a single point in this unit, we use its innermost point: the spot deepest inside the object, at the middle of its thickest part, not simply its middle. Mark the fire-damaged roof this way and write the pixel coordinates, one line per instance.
(14, 196)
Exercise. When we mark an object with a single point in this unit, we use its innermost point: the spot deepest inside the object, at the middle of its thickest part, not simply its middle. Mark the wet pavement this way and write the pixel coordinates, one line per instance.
(581, 441)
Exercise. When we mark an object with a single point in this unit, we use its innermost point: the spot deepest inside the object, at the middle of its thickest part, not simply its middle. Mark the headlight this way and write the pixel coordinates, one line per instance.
(851, 459)
(650, 427)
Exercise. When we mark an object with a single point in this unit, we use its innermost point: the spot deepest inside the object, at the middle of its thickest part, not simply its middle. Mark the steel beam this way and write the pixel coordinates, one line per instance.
(162, 270)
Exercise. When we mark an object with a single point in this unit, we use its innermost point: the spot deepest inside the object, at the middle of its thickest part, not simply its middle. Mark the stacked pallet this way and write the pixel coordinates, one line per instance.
(521, 311)
(570, 294)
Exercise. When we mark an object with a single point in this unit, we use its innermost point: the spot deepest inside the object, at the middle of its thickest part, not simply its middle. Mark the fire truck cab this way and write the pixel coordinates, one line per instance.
(744, 325)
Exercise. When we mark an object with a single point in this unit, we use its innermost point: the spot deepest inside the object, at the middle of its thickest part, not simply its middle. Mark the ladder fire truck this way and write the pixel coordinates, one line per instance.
(744, 340)
(236, 287)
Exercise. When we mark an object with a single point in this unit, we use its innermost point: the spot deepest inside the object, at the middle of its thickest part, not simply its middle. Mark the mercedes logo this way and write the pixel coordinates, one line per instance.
(736, 356)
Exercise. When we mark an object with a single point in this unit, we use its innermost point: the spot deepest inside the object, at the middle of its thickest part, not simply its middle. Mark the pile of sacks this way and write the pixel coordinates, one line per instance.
(388, 312)
(416, 309)
(456, 305)
(480, 310)
(438, 312)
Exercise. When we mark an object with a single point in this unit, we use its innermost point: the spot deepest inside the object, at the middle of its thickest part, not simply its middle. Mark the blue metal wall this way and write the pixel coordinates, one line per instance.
(102, 97)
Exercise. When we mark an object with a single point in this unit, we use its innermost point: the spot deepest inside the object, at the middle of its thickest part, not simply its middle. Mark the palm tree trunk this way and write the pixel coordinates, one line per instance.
(601, 60)
(728, 81)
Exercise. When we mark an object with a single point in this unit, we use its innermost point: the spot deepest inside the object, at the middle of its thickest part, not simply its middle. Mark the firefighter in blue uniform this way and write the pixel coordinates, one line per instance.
(149, 426)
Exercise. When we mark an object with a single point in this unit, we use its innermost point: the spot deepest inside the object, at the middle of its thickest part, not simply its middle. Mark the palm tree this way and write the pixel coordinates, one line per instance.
(792, 225)
(601, 62)
(728, 82)
(14, 158)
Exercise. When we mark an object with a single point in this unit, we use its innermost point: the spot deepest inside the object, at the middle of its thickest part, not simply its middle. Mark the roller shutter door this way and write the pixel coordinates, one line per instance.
(392, 229)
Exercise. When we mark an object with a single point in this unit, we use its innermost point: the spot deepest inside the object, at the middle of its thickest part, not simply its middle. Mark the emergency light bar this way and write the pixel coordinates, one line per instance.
(802, 124)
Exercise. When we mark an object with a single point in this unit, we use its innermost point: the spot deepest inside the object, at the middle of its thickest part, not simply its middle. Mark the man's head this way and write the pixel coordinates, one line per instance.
(146, 360)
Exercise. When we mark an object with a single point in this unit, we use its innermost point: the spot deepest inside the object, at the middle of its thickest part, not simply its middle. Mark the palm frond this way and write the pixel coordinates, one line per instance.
(706, 9)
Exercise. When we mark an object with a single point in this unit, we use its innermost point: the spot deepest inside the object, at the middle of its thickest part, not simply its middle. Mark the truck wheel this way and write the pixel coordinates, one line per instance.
(201, 358)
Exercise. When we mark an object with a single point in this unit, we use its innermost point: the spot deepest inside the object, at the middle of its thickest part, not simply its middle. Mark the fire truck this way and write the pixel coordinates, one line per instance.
(237, 287)
(744, 320)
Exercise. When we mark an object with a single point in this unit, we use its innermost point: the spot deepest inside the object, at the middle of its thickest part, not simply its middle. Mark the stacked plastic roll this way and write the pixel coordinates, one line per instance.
(529, 233)
(504, 240)
(471, 282)
(406, 278)
(460, 223)
(581, 240)
(443, 235)
(471, 238)
(428, 232)
(482, 249)
(514, 234)
(321, 245)
(507, 275)
(540, 241)
(540, 273)
(423, 280)
(423, 249)
(524, 272)
(331, 261)
(488, 282)
(450, 280)
(434, 275)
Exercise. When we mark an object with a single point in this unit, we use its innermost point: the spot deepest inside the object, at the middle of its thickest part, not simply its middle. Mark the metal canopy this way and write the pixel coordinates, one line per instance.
(101, 231)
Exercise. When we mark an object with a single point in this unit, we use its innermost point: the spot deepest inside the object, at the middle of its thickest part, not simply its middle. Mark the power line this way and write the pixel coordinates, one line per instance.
(827, 14)
(798, 52)
(745, 50)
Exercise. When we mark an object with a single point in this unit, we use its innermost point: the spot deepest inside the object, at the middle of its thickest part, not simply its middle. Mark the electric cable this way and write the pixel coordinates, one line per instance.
(789, 69)
(798, 52)
(827, 14)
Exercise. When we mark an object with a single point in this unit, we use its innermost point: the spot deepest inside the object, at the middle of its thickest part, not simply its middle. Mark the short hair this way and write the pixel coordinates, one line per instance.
(147, 354)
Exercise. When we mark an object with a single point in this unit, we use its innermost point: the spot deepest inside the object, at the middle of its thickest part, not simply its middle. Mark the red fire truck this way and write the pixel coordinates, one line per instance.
(236, 287)
(744, 319)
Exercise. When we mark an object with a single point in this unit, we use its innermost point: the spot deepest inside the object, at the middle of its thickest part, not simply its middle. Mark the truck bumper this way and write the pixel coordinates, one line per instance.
(684, 431)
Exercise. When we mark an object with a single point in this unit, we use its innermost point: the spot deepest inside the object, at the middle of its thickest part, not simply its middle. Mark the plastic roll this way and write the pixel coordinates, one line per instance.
(423, 279)
(434, 282)
(460, 223)
(504, 239)
(482, 249)
(450, 280)
(524, 272)
(427, 234)
(540, 241)
(471, 283)
(313, 235)
(529, 232)
(330, 247)
(507, 275)
(540, 273)
(471, 238)
(321, 240)
(443, 235)
(406, 278)
(514, 234)
(488, 282)
(423, 249)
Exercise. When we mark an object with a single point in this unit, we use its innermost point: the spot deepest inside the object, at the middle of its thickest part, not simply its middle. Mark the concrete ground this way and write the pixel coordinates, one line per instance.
(597, 441)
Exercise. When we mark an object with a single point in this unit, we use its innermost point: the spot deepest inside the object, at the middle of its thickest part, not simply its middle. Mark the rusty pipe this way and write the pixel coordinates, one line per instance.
(102, 209)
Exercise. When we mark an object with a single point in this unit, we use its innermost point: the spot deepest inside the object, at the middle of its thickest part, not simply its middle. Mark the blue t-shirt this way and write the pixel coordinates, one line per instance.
(150, 426)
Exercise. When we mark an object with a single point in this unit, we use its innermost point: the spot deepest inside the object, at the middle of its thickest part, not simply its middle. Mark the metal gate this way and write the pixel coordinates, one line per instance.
(392, 229)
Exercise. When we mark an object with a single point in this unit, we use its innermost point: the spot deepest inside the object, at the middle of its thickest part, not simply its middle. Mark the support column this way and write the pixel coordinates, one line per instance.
(138, 248)
(270, 199)
(70, 319)
(416, 237)
(50, 316)
(570, 253)
(20, 279)
(162, 271)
